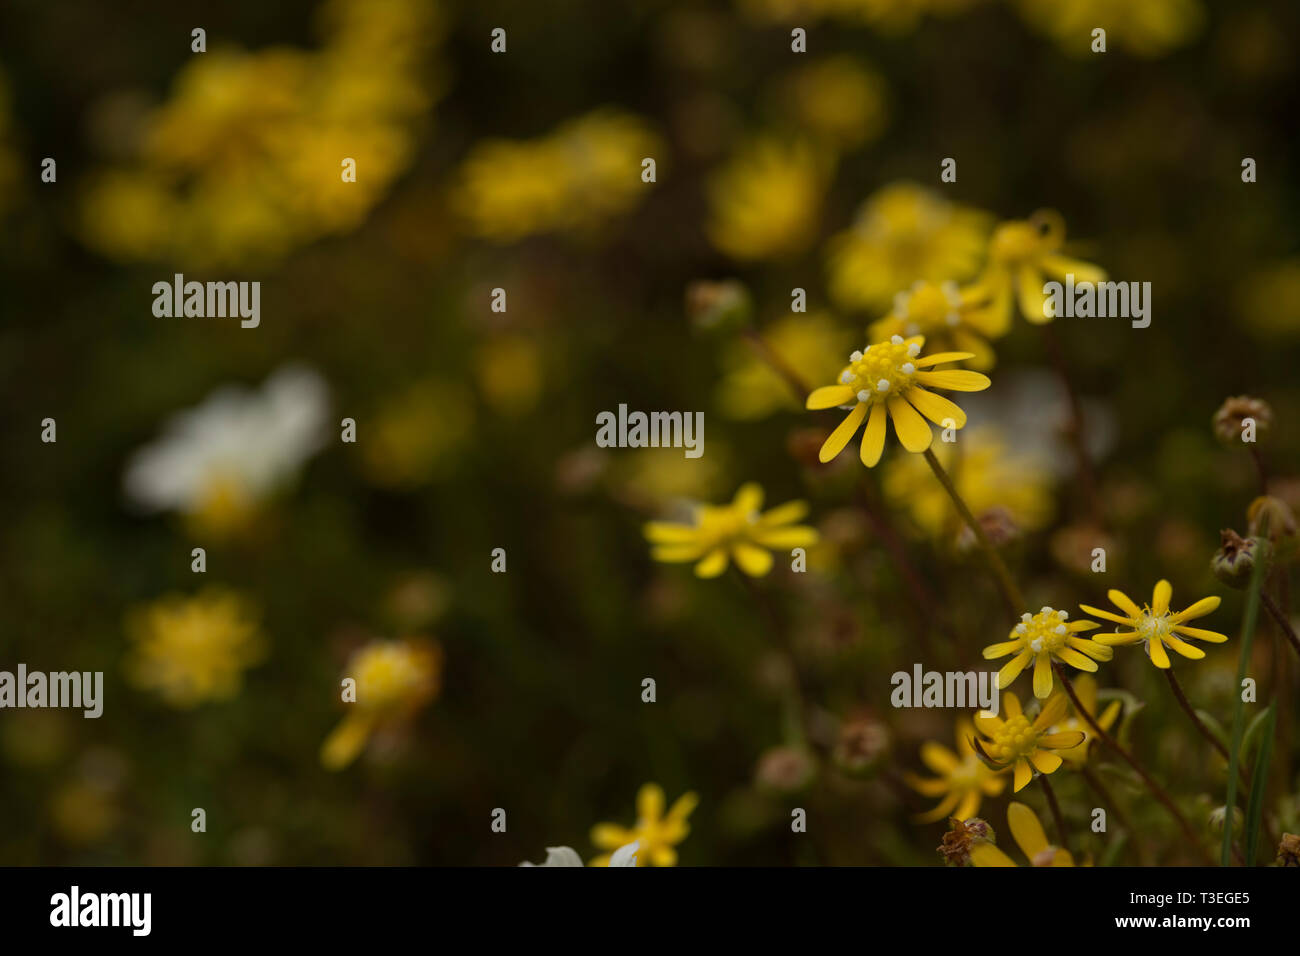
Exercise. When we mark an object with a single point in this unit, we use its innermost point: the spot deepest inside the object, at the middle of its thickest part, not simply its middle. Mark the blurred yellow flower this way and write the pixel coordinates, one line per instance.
(886, 381)
(737, 531)
(654, 481)
(889, 16)
(987, 475)
(765, 203)
(246, 160)
(194, 649)
(1155, 626)
(1029, 836)
(1022, 255)
(576, 178)
(1268, 300)
(812, 345)
(1043, 638)
(1086, 689)
(415, 433)
(836, 100)
(903, 234)
(947, 316)
(963, 780)
(655, 832)
(1143, 27)
(393, 679)
(1016, 741)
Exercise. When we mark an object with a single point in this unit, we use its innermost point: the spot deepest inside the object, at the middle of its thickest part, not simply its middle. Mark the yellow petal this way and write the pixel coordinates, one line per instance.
(1160, 597)
(714, 563)
(1075, 659)
(1124, 603)
(1025, 829)
(830, 396)
(936, 408)
(1190, 651)
(346, 741)
(1042, 676)
(955, 380)
(1029, 289)
(752, 559)
(650, 802)
(1045, 761)
(1052, 712)
(843, 432)
(1106, 615)
(1159, 656)
(873, 436)
(938, 757)
(986, 854)
(1022, 775)
(994, 651)
(749, 498)
(668, 532)
(910, 427)
(1214, 637)
(1061, 266)
(938, 358)
(1201, 608)
(788, 513)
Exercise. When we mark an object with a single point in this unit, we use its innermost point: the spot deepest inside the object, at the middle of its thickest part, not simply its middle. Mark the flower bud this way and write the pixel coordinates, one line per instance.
(958, 841)
(1235, 560)
(862, 745)
(785, 770)
(1271, 518)
(1219, 814)
(1229, 420)
(1288, 851)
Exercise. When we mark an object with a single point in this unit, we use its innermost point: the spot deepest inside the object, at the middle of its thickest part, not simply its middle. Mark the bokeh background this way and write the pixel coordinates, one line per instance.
(475, 428)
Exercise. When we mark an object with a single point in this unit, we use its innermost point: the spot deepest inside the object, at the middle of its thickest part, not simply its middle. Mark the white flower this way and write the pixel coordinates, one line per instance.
(255, 440)
(566, 856)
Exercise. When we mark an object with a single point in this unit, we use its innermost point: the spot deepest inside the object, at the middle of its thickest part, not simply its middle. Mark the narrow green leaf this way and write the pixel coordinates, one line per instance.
(1216, 728)
(1251, 738)
(1258, 784)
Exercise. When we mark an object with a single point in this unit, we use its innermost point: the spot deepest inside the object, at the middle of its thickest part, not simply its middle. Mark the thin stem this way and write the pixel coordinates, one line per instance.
(1280, 619)
(1094, 781)
(1056, 812)
(1260, 471)
(1015, 600)
(1156, 790)
(798, 387)
(1191, 713)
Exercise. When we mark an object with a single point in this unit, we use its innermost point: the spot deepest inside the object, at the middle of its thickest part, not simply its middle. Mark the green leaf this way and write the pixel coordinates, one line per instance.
(1216, 728)
(1252, 735)
(1258, 784)
(1238, 710)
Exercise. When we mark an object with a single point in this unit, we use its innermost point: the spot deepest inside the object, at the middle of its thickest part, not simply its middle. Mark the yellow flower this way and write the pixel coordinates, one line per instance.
(738, 531)
(1147, 28)
(889, 16)
(393, 680)
(656, 832)
(415, 433)
(811, 345)
(1268, 299)
(1022, 255)
(1155, 626)
(1042, 638)
(1086, 689)
(837, 100)
(245, 161)
(885, 379)
(1019, 742)
(1029, 836)
(585, 172)
(194, 649)
(902, 234)
(947, 316)
(987, 475)
(765, 203)
(963, 779)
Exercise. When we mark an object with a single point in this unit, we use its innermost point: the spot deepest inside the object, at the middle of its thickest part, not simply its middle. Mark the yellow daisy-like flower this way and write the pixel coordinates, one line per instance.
(1018, 742)
(656, 833)
(837, 100)
(736, 531)
(194, 649)
(1086, 689)
(902, 234)
(1042, 638)
(885, 382)
(963, 779)
(947, 316)
(393, 680)
(1022, 255)
(1029, 836)
(765, 203)
(1149, 28)
(1155, 626)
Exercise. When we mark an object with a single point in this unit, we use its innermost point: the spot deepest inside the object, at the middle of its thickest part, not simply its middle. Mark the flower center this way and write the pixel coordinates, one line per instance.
(1151, 626)
(1015, 739)
(1044, 632)
(882, 371)
(1014, 242)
